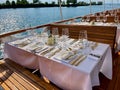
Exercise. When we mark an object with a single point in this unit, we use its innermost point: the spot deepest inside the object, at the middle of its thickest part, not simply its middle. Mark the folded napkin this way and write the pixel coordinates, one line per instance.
(77, 60)
(28, 46)
(20, 42)
(33, 47)
(64, 55)
(40, 49)
(70, 41)
(46, 51)
(53, 52)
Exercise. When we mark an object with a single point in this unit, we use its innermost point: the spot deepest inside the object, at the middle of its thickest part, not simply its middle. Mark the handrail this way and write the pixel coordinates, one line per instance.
(65, 20)
(22, 30)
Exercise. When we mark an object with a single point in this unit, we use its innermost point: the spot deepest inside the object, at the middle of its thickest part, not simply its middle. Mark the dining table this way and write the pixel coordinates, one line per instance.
(74, 67)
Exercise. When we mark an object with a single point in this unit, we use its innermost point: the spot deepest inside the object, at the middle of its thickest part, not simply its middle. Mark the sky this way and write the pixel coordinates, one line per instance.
(107, 1)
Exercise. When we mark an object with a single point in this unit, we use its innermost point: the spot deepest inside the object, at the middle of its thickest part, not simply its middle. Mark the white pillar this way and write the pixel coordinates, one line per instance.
(104, 5)
(112, 4)
(60, 10)
(90, 8)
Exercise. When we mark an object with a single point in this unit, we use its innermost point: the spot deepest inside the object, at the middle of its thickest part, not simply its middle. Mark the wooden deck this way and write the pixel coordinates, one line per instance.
(16, 77)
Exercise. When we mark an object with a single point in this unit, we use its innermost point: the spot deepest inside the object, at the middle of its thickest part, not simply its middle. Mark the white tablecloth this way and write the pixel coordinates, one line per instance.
(82, 77)
(21, 57)
(118, 38)
(64, 75)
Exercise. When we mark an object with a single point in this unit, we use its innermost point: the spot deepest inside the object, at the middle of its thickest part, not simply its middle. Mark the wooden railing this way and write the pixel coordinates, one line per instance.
(22, 30)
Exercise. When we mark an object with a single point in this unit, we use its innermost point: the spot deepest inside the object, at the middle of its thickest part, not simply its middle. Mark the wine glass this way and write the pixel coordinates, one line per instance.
(83, 37)
(55, 34)
(84, 42)
(116, 19)
(98, 18)
(65, 33)
(65, 37)
(88, 18)
(111, 13)
(45, 33)
(104, 19)
(83, 19)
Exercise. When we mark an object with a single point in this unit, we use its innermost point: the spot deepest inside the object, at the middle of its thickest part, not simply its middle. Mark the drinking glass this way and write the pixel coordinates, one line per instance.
(55, 34)
(65, 37)
(83, 37)
(84, 42)
(98, 18)
(65, 33)
(116, 19)
(44, 35)
(88, 18)
(83, 19)
(111, 13)
(104, 19)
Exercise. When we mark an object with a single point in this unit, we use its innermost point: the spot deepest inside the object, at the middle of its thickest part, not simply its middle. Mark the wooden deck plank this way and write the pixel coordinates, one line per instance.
(113, 82)
(21, 77)
(5, 78)
(28, 75)
(117, 83)
(16, 78)
(5, 86)
(24, 79)
(13, 79)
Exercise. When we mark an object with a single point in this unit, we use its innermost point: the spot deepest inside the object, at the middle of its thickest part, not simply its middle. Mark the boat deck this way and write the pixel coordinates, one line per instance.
(16, 77)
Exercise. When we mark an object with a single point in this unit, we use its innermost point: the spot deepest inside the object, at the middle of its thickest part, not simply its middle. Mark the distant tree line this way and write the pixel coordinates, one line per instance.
(38, 3)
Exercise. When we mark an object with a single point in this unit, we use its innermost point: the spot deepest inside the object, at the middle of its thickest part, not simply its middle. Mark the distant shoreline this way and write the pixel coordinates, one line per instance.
(38, 6)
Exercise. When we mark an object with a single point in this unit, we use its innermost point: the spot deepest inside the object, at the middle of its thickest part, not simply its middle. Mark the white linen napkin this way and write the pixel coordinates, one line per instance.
(64, 55)
(53, 52)
(77, 60)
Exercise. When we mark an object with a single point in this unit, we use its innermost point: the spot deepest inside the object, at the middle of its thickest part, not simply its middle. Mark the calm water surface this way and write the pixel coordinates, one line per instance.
(15, 19)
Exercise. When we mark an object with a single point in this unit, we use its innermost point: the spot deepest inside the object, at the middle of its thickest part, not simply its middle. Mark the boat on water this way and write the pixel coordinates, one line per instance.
(75, 65)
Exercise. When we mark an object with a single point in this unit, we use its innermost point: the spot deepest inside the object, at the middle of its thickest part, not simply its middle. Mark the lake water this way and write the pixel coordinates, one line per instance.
(20, 18)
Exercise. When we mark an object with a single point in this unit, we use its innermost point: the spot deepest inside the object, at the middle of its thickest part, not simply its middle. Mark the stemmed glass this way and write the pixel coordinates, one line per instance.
(88, 18)
(55, 34)
(83, 19)
(82, 36)
(116, 19)
(65, 33)
(44, 35)
(98, 18)
(111, 13)
(104, 19)
(65, 37)
(84, 42)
